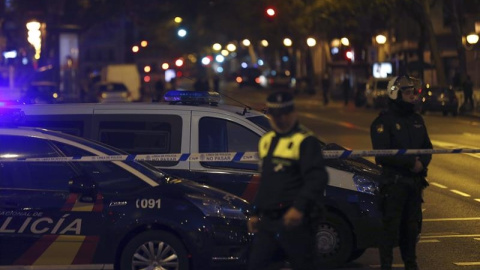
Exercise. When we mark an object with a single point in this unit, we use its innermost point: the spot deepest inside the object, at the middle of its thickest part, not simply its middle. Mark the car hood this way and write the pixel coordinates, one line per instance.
(353, 165)
(191, 187)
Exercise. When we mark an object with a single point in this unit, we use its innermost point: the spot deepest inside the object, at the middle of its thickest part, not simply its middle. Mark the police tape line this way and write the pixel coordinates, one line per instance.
(235, 156)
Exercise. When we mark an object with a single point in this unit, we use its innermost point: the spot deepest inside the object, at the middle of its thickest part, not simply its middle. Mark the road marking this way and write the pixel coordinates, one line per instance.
(429, 241)
(478, 239)
(460, 193)
(448, 145)
(466, 263)
(451, 236)
(478, 200)
(437, 185)
(452, 219)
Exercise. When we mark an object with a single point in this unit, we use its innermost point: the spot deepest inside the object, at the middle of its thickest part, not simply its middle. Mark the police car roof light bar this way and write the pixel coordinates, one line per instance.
(192, 97)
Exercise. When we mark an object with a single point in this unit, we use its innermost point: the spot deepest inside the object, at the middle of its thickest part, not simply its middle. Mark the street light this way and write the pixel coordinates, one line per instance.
(472, 39)
(381, 39)
(287, 42)
(311, 42)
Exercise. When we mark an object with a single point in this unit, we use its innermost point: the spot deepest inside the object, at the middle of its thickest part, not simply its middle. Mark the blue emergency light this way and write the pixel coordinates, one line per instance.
(11, 116)
(192, 97)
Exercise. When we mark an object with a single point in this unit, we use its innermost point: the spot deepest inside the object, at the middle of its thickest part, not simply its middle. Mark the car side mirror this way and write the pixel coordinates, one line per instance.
(83, 186)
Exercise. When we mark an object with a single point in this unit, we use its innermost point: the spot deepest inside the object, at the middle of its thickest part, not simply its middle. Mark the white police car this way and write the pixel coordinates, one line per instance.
(184, 125)
(100, 215)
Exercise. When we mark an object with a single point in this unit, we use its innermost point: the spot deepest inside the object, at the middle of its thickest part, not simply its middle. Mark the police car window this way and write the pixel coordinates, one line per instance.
(109, 177)
(143, 134)
(220, 135)
(261, 121)
(32, 175)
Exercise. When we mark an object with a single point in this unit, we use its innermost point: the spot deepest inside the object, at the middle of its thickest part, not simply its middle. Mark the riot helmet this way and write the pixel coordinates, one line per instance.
(401, 83)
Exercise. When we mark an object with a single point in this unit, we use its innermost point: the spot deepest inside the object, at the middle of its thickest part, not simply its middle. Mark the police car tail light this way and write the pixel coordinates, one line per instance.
(211, 207)
(192, 97)
(365, 185)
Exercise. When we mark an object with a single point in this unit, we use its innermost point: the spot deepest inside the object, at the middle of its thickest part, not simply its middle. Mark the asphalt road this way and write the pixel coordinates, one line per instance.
(451, 231)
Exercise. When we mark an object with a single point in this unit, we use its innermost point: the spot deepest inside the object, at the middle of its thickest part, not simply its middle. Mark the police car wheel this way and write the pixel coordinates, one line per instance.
(334, 241)
(154, 250)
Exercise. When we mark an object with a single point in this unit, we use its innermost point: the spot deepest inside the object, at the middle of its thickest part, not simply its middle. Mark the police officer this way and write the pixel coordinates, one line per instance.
(400, 127)
(293, 180)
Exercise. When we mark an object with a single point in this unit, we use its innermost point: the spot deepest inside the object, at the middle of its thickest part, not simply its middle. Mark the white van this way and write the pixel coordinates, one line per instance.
(376, 92)
(352, 218)
(124, 73)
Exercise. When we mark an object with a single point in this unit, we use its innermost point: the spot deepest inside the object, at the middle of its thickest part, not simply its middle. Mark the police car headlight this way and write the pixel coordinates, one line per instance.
(365, 185)
(216, 208)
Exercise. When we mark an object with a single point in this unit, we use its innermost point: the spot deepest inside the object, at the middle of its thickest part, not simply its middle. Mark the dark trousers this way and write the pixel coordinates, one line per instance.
(402, 219)
(273, 244)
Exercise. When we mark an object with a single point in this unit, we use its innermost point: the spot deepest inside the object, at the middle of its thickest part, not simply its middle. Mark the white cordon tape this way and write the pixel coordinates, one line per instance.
(237, 156)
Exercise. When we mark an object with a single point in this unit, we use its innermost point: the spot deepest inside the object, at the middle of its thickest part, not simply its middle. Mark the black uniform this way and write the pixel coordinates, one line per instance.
(401, 193)
(293, 174)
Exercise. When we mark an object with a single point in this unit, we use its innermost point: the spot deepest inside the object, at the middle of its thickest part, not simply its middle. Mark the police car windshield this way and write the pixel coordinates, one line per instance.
(109, 150)
(261, 121)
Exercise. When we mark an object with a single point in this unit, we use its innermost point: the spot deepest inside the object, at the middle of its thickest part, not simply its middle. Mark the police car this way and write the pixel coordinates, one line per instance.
(106, 214)
(198, 122)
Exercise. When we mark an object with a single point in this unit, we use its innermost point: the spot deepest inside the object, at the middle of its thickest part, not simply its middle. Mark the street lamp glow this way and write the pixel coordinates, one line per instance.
(206, 60)
(264, 43)
(33, 25)
(246, 42)
(287, 42)
(182, 32)
(144, 43)
(165, 66)
(216, 47)
(224, 52)
(336, 42)
(135, 49)
(219, 58)
(345, 41)
(179, 62)
(472, 39)
(178, 19)
(231, 47)
(381, 39)
(311, 42)
(147, 69)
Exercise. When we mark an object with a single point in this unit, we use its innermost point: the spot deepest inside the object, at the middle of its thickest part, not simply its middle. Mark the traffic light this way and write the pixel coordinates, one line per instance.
(349, 55)
(270, 12)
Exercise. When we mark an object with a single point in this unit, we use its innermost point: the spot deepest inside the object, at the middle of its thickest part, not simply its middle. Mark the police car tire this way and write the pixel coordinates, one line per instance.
(334, 230)
(145, 238)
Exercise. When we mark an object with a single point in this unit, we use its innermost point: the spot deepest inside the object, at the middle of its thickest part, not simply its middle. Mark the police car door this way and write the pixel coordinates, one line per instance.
(221, 132)
(37, 223)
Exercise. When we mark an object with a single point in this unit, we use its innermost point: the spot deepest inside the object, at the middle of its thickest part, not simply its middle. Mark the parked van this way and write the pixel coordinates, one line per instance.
(352, 219)
(124, 73)
(376, 92)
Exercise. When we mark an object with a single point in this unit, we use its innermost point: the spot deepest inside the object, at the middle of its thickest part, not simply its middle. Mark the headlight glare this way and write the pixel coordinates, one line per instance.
(216, 208)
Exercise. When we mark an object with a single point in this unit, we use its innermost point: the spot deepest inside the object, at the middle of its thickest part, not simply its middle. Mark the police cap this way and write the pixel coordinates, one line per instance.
(280, 103)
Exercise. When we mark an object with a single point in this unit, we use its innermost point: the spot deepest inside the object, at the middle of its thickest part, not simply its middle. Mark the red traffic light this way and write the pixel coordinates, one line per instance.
(270, 12)
(349, 55)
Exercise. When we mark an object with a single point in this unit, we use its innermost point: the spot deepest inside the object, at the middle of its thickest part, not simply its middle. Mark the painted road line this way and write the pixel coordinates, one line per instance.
(460, 193)
(448, 145)
(478, 239)
(478, 200)
(429, 241)
(438, 185)
(466, 263)
(451, 219)
(451, 236)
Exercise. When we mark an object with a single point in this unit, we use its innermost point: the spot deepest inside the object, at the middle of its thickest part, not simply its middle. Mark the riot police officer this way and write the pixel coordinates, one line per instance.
(400, 127)
(293, 181)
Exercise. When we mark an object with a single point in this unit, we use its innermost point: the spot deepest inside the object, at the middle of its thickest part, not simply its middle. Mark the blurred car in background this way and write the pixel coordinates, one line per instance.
(376, 92)
(281, 79)
(438, 99)
(251, 76)
(42, 92)
(108, 92)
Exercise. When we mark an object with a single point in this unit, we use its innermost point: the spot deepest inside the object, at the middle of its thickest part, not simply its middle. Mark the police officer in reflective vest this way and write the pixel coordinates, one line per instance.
(400, 127)
(293, 181)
